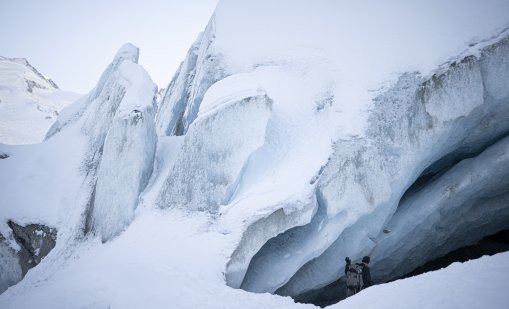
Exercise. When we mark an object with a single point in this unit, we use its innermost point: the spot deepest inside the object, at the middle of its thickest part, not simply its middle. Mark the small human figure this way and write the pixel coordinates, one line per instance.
(358, 276)
(366, 273)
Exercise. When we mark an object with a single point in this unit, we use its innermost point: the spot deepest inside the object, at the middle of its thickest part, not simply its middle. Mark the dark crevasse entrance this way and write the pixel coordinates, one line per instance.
(489, 245)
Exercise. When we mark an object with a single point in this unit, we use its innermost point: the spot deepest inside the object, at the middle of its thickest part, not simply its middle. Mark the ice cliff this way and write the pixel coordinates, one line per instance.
(332, 164)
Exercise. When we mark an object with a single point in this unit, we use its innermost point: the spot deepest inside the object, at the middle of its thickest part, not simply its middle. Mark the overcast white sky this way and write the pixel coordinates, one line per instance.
(73, 41)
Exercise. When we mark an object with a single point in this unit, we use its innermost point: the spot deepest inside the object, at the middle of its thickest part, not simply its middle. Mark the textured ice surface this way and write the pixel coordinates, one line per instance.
(200, 179)
(53, 183)
(312, 145)
(201, 68)
(10, 269)
(347, 134)
(475, 189)
(408, 140)
(127, 155)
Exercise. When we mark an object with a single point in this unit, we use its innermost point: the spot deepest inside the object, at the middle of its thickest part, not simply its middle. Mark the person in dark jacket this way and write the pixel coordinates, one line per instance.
(366, 274)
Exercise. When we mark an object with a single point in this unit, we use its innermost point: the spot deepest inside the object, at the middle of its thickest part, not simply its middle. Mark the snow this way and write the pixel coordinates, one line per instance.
(474, 284)
(29, 103)
(294, 133)
(152, 264)
(403, 142)
(173, 103)
(324, 173)
(209, 143)
(220, 93)
(49, 177)
(52, 183)
(362, 49)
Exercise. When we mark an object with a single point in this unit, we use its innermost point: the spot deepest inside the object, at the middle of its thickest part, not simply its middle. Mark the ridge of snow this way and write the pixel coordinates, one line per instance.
(29, 102)
(230, 89)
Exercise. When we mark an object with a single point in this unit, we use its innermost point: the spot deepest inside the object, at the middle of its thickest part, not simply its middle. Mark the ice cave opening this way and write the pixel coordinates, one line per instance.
(440, 241)
(488, 245)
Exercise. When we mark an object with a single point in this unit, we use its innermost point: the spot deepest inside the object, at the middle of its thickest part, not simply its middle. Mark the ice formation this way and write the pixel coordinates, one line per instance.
(105, 136)
(279, 148)
(127, 154)
(200, 69)
(328, 177)
(417, 148)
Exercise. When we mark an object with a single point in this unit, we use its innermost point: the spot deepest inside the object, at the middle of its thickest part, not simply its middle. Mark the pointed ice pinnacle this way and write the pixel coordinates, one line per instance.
(128, 52)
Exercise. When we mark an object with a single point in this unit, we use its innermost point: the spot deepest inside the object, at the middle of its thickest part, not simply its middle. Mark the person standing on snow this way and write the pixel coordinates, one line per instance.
(366, 273)
(358, 276)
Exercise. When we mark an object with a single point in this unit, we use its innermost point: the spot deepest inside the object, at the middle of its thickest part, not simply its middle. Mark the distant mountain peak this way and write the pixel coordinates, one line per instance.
(46, 83)
(30, 102)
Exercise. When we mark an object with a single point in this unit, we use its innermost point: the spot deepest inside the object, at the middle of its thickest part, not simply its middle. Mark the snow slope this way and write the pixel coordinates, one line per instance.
(155, 265)
(475, 284)
(165, 259)
(29, 102)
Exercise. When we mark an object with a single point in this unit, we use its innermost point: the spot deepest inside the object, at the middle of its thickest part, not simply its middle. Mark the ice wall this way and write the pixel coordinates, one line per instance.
(313, 178)
(127, 155)
(10, 269)
(216, 149)
(201, 68)
(422, 133)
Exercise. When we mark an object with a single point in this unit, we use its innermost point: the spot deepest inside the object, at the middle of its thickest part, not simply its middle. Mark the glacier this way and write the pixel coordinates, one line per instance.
(418, 127)
(278, 149)
(440, 144)
(93, 141)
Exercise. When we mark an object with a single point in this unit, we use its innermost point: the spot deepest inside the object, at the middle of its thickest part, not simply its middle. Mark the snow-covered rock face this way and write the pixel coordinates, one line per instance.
(33, 243)
(29, 102)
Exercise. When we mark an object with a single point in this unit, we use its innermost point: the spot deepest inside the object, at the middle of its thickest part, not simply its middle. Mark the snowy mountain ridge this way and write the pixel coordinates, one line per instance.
(264, 167)
(29, 102)
(41, 81)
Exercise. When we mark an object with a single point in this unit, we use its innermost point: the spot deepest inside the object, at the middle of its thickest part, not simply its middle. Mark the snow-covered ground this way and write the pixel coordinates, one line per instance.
(480, 283)
(29, 102)
(166, 259)
(175, 259)
(286, 142)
